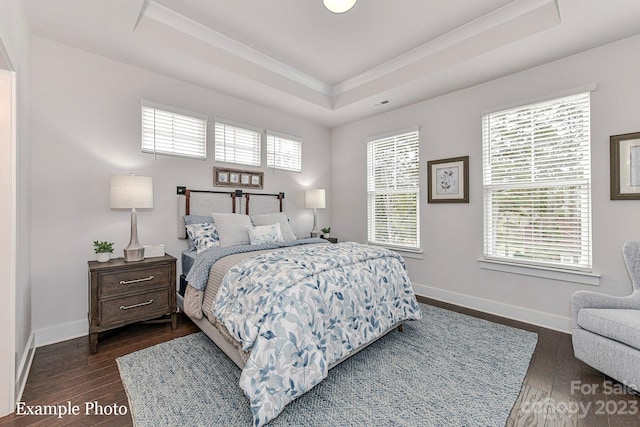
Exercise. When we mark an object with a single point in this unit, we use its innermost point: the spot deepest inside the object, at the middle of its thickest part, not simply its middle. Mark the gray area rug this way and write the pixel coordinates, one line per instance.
(447, 369)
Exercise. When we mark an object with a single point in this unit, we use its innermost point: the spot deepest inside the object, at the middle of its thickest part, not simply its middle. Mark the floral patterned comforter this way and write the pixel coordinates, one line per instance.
(300, 309)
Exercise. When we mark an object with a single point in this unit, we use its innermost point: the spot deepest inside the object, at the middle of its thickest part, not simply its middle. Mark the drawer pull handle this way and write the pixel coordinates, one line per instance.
(127, 307)
(128, 282)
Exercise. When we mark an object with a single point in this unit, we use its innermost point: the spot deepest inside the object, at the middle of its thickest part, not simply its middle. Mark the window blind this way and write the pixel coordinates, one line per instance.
(284, 152)
(393, 190)
(170, 133)
(537, 184)
(236, 144)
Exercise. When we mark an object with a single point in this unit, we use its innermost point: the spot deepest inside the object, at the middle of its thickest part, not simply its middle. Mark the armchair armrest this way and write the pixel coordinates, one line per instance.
(587, 299)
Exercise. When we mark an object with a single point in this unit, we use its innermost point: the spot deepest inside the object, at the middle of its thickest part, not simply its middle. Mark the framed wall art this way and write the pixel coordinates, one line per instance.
(224, 177)
(625, 166)
(448, 180)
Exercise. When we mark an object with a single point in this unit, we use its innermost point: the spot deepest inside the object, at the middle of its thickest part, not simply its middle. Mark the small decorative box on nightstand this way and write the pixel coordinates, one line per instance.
(122, 292)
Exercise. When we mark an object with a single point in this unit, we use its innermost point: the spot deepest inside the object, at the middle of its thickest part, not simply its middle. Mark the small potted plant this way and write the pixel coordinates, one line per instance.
(326, 232)
(103, 250)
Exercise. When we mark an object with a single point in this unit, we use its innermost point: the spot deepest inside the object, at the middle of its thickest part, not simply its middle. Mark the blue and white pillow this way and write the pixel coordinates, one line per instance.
(196, 219)
(203, 236)
(272, 218)
(265, 234)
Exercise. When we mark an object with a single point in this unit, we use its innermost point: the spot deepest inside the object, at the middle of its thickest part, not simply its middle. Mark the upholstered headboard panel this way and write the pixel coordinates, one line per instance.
(201, 202)
(261, 203)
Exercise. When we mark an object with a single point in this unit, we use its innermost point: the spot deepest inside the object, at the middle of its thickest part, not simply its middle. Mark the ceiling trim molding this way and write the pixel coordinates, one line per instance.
(164, 15)
(498, 17)
(512, 14)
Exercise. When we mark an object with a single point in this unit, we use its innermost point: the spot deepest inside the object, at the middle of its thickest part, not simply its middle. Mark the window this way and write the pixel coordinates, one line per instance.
(166, 132)
(236, 144)
(393, 191)
(537, 184)
(284, 152)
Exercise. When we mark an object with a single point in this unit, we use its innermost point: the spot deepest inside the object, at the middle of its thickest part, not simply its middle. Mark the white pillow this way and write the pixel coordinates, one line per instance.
(203, 236)
(232, 228)
(273, 218)
(265, 234)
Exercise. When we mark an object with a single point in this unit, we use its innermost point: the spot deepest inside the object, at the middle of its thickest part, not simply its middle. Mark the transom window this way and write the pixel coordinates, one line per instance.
(393, 190)
(236, 144)
(171, 133)
(284, 152)
(537, 184)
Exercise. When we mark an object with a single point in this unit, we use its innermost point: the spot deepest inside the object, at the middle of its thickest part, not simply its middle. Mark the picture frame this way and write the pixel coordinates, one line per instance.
(625, 166)
(448, 180)
(225, 177)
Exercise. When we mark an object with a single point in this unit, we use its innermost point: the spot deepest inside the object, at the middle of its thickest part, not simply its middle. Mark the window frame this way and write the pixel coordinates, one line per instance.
(145, 104)
(585, 199)
(288, 139)
(241, 126)
(372, 193)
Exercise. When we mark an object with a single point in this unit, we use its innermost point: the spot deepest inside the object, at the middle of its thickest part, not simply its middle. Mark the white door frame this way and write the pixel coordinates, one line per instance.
(8, 248)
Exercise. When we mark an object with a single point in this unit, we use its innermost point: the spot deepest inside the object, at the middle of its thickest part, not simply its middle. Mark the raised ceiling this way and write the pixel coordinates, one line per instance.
(296, 56)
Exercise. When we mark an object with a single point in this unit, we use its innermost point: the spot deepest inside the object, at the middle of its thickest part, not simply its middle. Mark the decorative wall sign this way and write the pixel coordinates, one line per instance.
(625, 166)
(448, 180)
(223, 177)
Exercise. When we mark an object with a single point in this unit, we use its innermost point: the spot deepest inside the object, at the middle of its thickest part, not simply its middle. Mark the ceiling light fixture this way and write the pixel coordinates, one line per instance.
(339, 6)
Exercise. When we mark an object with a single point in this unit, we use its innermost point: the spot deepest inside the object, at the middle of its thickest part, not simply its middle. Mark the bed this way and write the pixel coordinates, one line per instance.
(285, 310)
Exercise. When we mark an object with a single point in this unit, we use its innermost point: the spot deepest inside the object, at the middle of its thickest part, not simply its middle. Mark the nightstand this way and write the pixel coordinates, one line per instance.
(331, 239)
(122, 292)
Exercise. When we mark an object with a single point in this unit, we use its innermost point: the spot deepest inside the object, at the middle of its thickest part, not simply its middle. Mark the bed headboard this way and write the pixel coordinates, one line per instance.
(204, 202)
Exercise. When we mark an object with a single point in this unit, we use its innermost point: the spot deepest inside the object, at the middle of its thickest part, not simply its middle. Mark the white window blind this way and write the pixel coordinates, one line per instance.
(166, 132)
(393, 190)
(236, 144)
(284, 152)
(537, 184)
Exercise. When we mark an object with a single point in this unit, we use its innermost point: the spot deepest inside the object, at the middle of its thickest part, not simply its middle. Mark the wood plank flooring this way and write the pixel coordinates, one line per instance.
(558, 390)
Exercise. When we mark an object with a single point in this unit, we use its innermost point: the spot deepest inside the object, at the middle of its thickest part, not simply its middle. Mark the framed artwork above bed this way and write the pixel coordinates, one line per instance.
(225, 177)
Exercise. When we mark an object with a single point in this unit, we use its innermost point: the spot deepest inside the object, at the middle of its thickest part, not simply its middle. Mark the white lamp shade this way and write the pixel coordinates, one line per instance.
(314, 199)
(339, 6)
(131, 191)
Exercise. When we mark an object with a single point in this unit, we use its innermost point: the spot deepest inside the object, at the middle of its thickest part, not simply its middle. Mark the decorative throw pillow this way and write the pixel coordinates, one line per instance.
(264, 234)
(196, 219)
(203, 236)
(232, 228)
(273, 218)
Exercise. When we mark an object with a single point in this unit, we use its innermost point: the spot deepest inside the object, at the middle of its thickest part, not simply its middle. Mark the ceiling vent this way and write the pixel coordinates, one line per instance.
(383, 102)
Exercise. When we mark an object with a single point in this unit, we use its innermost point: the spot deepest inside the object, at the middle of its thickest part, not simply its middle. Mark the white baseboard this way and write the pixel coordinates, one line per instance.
(25, 366)
(522, 314)
(63, 332)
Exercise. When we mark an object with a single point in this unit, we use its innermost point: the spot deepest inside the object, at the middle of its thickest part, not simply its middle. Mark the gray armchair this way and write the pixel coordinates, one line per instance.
(606, 329)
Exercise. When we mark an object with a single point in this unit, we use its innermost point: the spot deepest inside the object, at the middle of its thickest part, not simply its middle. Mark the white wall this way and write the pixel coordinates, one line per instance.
(15, 39)
(85, 127)
(451, 234)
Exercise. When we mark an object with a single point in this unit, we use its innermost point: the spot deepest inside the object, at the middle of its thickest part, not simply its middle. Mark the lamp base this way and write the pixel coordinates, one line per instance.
(315, 234)
(131, 255)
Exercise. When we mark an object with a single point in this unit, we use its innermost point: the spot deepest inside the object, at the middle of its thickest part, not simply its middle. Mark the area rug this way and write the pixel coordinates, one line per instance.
(447, 369)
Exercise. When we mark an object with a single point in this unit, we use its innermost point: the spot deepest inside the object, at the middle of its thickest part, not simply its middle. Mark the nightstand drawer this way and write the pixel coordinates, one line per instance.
(141, 306)
(125, 282)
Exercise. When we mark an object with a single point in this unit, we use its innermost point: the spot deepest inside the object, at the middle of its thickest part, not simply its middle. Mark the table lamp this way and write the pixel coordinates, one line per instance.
(314, 199)
(132, 192)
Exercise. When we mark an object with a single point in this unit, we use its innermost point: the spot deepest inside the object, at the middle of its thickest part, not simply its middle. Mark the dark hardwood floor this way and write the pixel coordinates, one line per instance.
(558, 390)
